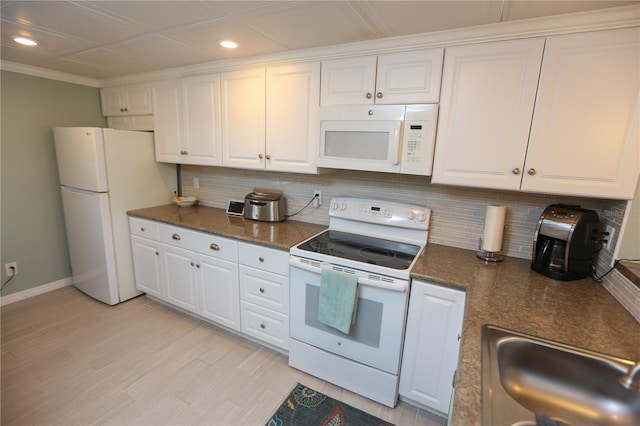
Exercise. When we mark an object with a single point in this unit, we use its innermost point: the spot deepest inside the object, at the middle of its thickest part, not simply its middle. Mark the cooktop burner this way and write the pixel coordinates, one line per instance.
(361, 248)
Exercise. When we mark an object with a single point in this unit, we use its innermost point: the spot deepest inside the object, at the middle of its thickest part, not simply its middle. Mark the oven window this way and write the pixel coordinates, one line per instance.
(367, 327)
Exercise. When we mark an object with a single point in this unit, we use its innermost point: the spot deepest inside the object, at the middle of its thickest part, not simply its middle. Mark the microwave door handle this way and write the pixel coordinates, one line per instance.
(396, 147)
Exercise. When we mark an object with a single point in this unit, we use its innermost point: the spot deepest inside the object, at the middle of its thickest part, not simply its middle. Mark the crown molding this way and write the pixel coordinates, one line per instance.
(51, 75)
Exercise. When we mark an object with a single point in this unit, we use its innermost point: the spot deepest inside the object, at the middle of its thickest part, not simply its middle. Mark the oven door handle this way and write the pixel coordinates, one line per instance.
(402, 288)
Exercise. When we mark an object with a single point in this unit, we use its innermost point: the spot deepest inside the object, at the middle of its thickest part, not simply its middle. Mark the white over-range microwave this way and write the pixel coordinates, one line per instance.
(381, 138)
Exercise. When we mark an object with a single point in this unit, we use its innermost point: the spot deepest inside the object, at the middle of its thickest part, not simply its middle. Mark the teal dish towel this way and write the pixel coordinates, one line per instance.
(338, 299)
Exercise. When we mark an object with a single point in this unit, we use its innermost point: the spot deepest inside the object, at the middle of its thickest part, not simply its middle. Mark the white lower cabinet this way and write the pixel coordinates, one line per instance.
(146, 257)
(264, 293)
(432, 345)
(218, 289)
(179, 275)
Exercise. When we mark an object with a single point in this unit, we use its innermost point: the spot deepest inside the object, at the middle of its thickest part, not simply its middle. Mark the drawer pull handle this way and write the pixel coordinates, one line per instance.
(214, 246)
(261, 290)
(261, 259)
(262, 326)
(176, 237)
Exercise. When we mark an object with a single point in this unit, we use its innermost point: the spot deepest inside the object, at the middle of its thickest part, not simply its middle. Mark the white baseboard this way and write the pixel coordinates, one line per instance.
(35, 291)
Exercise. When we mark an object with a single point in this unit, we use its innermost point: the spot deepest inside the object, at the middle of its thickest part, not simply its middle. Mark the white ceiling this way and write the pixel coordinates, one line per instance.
(105, 39)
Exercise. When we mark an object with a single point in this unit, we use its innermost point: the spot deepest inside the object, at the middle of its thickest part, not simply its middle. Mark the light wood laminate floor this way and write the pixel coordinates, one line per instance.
(69, 360)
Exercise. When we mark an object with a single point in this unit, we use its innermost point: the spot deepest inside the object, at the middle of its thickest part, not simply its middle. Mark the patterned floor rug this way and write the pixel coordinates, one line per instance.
(305, 406)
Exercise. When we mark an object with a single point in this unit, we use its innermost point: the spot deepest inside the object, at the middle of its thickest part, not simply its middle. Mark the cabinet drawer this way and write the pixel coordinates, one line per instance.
(264, 289)
(268, 259)
(268, 326)
(143, 228)
(200, 242)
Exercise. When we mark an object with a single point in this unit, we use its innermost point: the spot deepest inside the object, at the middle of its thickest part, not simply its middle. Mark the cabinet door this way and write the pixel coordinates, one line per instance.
(137, 99)
(202, 120)
(292, 117)
(486, 105)
(348, 81)
(180, 277)
(112, 101)
(432, 345)
(146, 265)
(585, 138)
(167, 120)
(218, 289)
(409, 77)
(243, 118)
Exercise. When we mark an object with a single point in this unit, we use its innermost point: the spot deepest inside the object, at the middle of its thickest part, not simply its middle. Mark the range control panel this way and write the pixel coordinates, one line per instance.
(381, 212)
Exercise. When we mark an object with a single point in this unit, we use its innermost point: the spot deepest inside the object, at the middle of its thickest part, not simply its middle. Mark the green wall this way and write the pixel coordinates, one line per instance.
(32, 224)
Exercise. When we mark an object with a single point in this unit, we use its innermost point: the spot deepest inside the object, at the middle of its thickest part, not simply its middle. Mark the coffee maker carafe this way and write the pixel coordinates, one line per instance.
(564, 243)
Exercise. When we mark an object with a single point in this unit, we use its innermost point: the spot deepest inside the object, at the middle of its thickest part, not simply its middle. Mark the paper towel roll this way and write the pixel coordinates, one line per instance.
(493, 228)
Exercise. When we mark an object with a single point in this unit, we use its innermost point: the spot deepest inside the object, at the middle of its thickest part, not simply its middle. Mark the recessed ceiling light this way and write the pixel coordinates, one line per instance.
(229, 44)
(25, 41)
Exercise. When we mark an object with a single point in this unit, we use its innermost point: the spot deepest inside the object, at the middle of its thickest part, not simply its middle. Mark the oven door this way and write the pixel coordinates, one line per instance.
(375, 338)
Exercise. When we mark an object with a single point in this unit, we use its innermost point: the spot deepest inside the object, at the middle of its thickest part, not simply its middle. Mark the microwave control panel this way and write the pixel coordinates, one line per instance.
(418, 139)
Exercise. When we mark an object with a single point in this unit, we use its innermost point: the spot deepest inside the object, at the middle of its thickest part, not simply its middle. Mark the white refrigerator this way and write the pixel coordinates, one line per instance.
(103, 174)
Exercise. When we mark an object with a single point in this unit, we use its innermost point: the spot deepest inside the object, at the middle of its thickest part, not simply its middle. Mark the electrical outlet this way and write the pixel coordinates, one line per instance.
(609, 232)
(317, 202)
(11, 269)
(196, 183)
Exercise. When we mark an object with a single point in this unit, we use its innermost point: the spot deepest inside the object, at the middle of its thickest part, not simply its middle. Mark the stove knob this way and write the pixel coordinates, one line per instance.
(411, 215)
(422, 217)
(343, 206)
(334, 205)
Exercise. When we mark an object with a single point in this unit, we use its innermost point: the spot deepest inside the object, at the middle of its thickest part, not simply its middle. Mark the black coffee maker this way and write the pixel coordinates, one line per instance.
(565, 242)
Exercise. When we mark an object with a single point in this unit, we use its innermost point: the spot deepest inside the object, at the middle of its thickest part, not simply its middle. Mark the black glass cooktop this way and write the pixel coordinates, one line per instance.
(371, 250)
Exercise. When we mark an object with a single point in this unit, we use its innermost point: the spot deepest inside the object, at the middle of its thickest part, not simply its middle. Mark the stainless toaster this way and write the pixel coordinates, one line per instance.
(265, 206)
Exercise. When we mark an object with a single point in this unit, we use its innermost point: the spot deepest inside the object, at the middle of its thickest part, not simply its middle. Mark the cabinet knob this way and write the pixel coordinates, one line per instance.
(368, 95)
(184, 152)
(176, 237)
(268, 157)
(370, 112)
(261, 290)
(260, 156)
(121, 109)
(531, 172)
(126, 109)
(214, 246)
(516, 171)
(262, 326)
(197, 265)
(192, 264)
(157, 254)
(261, 259)
(142, 229)
(379, 95)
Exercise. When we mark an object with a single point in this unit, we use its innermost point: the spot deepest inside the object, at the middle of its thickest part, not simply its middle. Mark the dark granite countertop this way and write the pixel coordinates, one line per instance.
(280, 235)
(508, 294)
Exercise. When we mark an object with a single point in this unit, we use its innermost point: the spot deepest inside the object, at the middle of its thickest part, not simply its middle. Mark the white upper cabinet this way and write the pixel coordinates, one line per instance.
(292, 117)
(579, 137)
(488, 94)
(394, 78)
(269, 118)
(584, 137)
(243, 118)
(134, 99)
(187, 120)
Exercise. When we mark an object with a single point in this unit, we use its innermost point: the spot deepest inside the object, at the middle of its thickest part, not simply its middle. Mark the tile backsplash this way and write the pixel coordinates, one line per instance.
(457, 214)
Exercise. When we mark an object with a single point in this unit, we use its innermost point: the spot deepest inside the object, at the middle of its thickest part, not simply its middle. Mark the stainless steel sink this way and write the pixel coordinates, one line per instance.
(528, 380)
